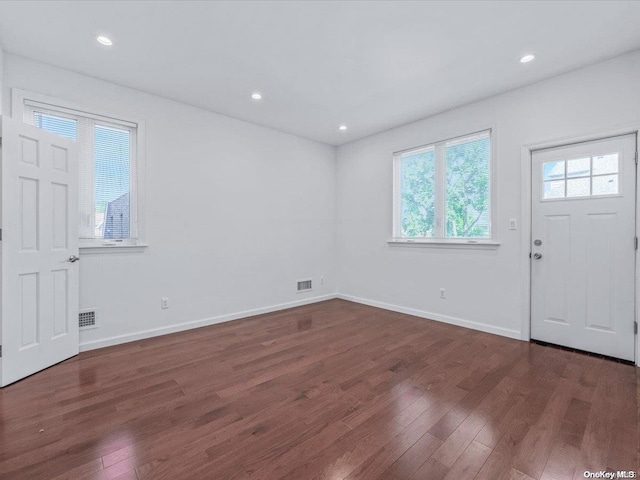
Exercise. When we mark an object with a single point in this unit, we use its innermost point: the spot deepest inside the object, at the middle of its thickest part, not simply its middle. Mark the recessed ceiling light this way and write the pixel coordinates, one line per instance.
(342, 128)
(527, 58)
(256, 96)
(104, 40)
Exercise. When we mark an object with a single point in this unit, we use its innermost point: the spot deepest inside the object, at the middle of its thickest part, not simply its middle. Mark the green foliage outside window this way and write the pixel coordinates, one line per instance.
(467, 191)
(418, 195)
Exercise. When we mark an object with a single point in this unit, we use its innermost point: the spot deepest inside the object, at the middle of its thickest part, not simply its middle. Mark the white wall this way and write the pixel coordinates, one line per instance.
(483, 286)
(1, 77)
(236, 213)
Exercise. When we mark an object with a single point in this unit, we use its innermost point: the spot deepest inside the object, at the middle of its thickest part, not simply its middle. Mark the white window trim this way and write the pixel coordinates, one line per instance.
(444, 243)
(97, 245)
(441, 241)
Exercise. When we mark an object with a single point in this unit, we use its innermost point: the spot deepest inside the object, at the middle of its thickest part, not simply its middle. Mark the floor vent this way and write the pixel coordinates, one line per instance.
(305, 285)
(87, 319)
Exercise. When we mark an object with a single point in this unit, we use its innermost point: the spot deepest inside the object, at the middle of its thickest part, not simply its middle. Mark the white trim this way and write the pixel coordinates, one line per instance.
(442, 243)
(139, 160)
(525, 236)
(54, 104)
(112, 248)
(448, 139)
(19, 96)
(482, 327)
(439, 193)
(155, 332)
(438, 147)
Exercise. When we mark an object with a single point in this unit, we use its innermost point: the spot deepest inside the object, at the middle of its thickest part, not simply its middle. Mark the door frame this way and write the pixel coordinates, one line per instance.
(526, 152)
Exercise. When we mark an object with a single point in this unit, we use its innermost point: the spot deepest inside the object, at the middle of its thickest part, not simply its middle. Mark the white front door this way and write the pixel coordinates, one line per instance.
(39, 244)
(583, 246)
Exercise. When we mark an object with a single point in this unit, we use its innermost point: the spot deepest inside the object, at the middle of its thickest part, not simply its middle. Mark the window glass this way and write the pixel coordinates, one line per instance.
(605, 164)
(417, 178)
(467, 189)
(580, 167)
(111, 173)
(444, 190)
(106, 170)
(580, 177)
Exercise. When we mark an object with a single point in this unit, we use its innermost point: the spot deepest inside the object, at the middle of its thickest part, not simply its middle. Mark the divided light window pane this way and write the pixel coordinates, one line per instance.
(467, 188)
(581, 177)
(105, 171)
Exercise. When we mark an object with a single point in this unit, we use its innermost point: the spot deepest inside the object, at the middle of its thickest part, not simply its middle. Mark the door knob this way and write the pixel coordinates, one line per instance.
(73, 259)
(537, 256)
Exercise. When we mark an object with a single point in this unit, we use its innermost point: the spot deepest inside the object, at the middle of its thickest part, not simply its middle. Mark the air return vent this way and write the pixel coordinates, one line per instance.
(305, 285)
(87, 319)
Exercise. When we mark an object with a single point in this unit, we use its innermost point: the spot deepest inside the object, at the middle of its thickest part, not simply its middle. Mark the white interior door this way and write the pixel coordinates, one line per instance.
(583, 246)
(39, 245)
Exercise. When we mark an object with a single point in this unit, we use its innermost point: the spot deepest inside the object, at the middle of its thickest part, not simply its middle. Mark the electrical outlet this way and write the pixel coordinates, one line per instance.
(321, 280)
(443, 293)
(164, 302)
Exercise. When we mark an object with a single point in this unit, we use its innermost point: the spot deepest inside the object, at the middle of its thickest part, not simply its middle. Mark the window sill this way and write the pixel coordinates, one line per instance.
(438, 243)
(106, 249)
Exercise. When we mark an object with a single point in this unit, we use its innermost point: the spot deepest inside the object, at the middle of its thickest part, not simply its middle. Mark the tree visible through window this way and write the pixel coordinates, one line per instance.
(418, 194)
(467, 188)
(444, 190)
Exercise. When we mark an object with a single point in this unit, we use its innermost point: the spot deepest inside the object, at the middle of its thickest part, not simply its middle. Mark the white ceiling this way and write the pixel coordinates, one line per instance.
(318, 64)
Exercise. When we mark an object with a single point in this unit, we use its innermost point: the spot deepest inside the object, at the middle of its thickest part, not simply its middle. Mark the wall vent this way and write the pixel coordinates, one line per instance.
(87, 319)
(305, 285)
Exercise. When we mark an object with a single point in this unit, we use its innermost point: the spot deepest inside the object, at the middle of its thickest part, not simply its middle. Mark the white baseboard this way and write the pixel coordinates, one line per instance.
(155, 332)
(483, 327)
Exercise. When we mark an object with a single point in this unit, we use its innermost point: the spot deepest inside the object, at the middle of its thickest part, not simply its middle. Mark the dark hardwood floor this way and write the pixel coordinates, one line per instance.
(333, 390)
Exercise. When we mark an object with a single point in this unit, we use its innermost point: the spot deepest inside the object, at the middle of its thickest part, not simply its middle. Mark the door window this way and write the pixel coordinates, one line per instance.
(581, 177)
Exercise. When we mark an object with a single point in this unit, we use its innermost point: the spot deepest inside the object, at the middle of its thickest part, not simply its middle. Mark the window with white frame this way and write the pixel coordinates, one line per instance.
(442, 191)
(592, 176)
(107, 149)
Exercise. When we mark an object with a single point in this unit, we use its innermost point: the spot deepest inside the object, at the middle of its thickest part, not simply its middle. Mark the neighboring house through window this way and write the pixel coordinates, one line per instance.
(108, 164)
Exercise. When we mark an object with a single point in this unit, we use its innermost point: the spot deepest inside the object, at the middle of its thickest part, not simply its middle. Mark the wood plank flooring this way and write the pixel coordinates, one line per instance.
(333, 390)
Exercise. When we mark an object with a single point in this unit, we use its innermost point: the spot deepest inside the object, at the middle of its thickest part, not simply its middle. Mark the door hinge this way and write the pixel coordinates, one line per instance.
(0, 351)
(635, 328)
(636, 153)
(636, 243)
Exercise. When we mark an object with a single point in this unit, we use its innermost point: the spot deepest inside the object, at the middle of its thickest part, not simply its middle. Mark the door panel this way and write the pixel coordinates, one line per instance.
(583, 232)
(39, 284)
(600, 270)
(28, 317)
(60, 302)
(29, 209)
(557, 228)
(29, 151)
(60, 206)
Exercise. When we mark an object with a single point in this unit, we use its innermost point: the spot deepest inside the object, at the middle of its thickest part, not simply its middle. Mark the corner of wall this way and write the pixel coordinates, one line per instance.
(1, 77)
(334, 266)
